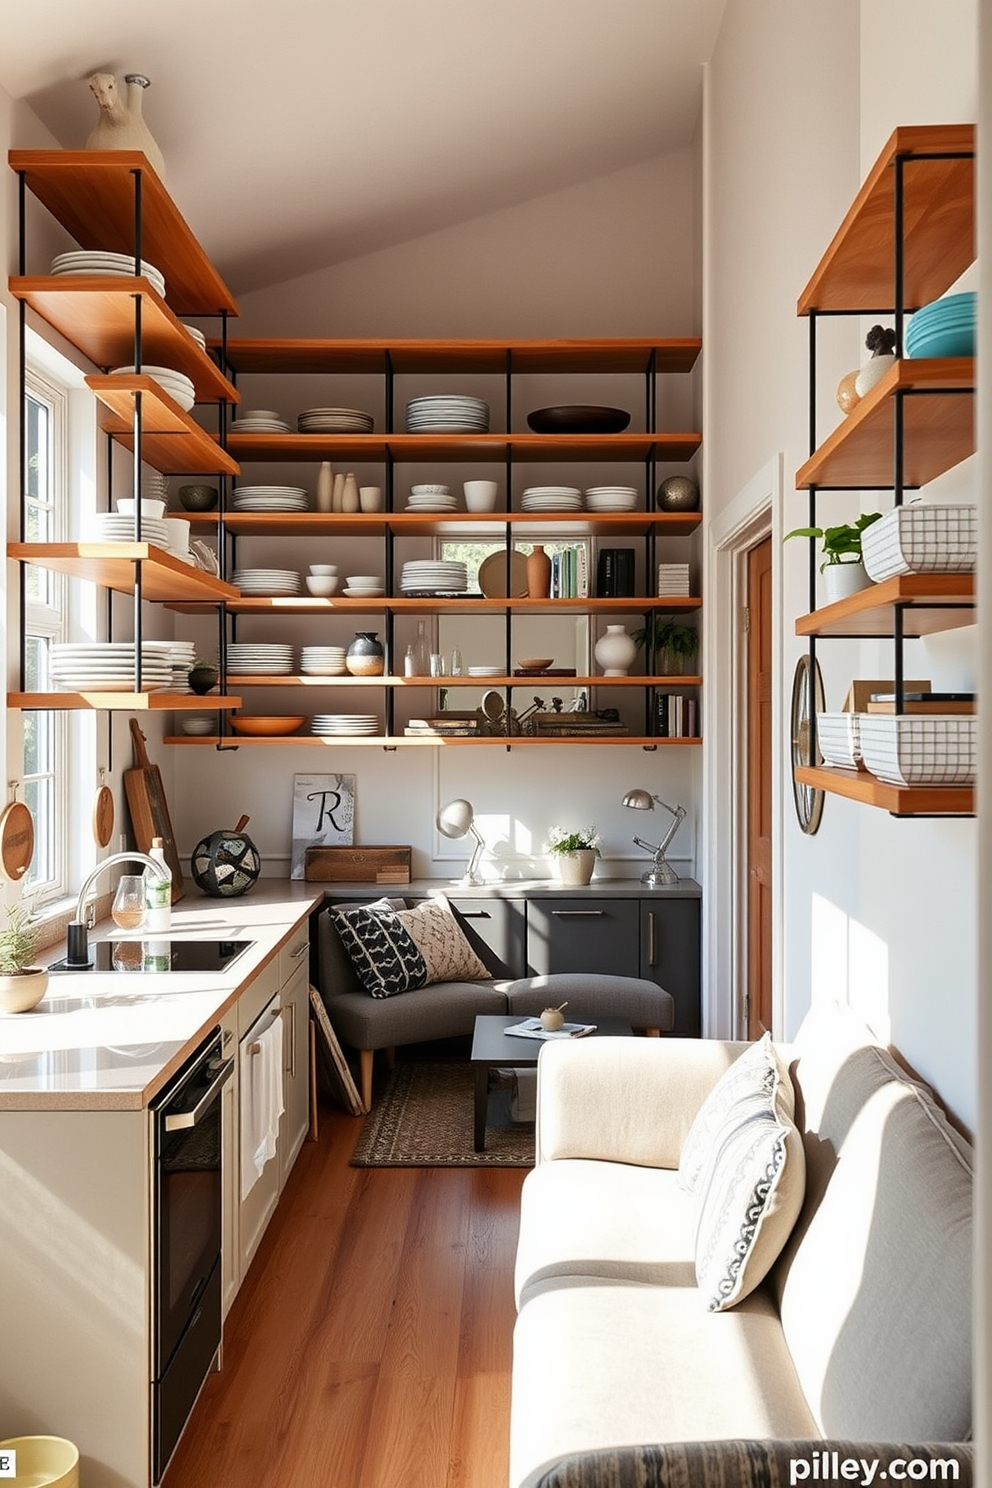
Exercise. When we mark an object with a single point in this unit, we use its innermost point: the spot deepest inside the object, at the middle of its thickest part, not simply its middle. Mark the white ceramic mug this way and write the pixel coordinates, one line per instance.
(480, 495)
(370, 498)
(178, 535)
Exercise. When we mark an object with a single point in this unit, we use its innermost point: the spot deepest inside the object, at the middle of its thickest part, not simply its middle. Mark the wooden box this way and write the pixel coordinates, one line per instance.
(378, 865)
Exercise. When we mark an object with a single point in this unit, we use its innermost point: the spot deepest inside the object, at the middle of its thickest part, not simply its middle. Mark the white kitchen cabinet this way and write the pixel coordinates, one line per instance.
(230, 1260)
(257, 1206)
(294, 994)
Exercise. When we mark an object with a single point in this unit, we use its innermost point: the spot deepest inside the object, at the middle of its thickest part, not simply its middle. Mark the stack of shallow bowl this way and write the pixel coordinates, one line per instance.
(551, 498)
(178, 386)
(449, 413)
(434, 576)
(944, 328)
(259, 421)
(323, 661)
(269, 499)
(611, 498)
(267, 581)
(246, 657)
(431, 498)
(335, 421)
(118, 265)
(332, 725)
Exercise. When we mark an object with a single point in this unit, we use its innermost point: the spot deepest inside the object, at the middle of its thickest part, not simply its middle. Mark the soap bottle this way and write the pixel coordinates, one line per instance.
(158, 892)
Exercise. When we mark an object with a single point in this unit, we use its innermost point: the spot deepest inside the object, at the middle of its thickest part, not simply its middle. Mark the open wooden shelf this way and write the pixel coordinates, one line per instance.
(466, 525)
(402, 741)
(492, 448)
(91, 193)
(459, 605)
(938, 422)
(115, 565)
(856, 272)
(900, 800)
(306, 679)
(929, 603)
(96, 315)
(376, 356)
(170, 440)
(148, 702)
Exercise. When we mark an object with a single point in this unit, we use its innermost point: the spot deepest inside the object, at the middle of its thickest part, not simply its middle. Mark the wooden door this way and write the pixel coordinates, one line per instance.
(758, 775)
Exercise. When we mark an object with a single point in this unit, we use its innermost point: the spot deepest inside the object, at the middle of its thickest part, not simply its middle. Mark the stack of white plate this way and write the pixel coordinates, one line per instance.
(431, 499)
(119, 527)
(109, 665)
(333, 724)
(451, 413)
(673, 579)
(335, 421)
(196, 334)
(244, 657)
(323, 661)
(269, 498)
(551, 498)
(485, 671)
(281, 581)
(611, 498)
(154, 485)
(434, 576)
(182, 655)
(364, 591)
(259, 421)
(176, 384)
(120, 265)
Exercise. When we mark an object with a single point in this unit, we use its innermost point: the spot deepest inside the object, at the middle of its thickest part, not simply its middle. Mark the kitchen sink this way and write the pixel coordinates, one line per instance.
(162, 954)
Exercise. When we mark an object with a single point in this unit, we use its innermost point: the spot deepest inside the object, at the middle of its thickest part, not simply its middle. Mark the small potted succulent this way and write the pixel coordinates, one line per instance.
(574, 853)
(842, 567)
(22, 986)
(674, 644)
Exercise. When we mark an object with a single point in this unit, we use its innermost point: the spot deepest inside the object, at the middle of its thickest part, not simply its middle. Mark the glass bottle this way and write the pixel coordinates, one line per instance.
(457, 664)
(421, 651)
(158, 891)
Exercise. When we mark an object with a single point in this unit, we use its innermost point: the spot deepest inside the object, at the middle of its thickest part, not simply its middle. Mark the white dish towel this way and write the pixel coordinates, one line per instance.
(261, 1101)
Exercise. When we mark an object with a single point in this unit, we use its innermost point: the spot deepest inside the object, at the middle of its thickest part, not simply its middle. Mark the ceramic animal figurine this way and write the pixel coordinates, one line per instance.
(121, 125)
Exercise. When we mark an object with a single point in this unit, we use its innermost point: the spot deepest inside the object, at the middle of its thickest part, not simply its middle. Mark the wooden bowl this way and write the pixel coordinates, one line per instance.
(535, 663)
(267, 727)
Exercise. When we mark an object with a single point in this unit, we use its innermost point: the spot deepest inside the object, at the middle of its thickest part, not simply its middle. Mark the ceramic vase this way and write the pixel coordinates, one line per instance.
(576, 867)
(873, 372)
(678, 493)
(21, 991)
(337, 493)
(349, 493)
(538, 573)
(325, 487)
(365, 656)
(615, 651)
(842, 579)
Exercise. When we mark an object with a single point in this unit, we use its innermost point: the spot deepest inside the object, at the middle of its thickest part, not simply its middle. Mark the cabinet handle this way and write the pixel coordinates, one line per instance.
(300, 949)
(576, 914)
(290, 1069)
(476, 914)
(651, 934)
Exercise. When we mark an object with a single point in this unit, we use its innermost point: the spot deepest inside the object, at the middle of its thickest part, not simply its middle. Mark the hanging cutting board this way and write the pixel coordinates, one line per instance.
(16, 839)
(103, 816)
(149, 809)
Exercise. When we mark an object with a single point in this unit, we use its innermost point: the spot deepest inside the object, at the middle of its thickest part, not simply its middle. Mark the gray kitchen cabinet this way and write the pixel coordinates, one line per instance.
(583, 934)
(501, 925)
(670, 956)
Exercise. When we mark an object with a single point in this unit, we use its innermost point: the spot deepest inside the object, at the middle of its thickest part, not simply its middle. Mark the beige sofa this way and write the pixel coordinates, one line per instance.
(860, 1333)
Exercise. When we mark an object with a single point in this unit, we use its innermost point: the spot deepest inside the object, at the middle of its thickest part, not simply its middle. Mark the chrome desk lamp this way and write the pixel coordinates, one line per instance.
(457, 819)
(660, 872)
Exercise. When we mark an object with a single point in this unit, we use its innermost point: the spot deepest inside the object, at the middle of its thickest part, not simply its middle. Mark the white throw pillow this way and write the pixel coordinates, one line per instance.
(441, 941)
(746, 1081)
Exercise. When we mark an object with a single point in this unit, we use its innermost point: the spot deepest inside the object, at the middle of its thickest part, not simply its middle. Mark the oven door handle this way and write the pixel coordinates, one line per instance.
(183, 1120)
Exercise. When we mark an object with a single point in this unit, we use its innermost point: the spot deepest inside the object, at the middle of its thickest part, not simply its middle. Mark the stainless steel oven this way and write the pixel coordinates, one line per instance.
(186, 1230)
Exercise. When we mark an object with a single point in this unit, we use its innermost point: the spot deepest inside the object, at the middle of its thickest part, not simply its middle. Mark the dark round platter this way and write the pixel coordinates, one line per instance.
(578, 418)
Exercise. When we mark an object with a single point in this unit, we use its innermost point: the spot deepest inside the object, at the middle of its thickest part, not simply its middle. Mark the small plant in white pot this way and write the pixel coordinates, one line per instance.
(842, 567)
(22, 986)
(574, 853)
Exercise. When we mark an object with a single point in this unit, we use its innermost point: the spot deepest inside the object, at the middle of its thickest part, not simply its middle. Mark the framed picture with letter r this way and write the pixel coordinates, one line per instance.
(323, 815)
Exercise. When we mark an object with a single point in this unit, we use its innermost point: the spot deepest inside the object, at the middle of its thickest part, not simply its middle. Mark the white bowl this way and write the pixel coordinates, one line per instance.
(259, 413)
(364, 581)
(149, 508)
(322, 584)
(430, 490)
(197, 725)
(324, 570)
(480, 495)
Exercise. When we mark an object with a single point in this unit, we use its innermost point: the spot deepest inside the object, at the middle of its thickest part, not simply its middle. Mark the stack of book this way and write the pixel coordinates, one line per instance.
(560, 725)
(615, 573)
(570, 573)
(673, 579)
(448, 725)
(678, 716)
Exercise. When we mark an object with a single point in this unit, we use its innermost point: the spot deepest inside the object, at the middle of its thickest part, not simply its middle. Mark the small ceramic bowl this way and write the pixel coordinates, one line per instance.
(322, 584)
(196, 725)
(198, 498)
(324, 570)
(149, 508)
(364, 581)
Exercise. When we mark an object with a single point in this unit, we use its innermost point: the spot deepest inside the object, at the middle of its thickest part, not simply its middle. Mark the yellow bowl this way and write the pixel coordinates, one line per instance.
(267, 726)
(44, 1461)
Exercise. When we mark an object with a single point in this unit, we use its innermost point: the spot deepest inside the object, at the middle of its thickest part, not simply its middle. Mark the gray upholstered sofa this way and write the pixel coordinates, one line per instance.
(448, 1009)
(857, 1341)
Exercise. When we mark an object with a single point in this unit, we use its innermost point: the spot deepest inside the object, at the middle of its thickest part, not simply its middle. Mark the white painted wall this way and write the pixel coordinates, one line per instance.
(801, 98)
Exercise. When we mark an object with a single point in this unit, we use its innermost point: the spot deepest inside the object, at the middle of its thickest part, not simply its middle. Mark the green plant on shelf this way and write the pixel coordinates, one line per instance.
(586, 839)
(841, 544)
(674, 644)
(18, 941)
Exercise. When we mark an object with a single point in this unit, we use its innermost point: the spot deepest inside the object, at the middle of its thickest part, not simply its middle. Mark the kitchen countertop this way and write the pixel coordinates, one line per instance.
(112, 1040)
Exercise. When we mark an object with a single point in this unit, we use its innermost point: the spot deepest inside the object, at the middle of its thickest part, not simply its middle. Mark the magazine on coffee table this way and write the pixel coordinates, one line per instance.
(531, 1028)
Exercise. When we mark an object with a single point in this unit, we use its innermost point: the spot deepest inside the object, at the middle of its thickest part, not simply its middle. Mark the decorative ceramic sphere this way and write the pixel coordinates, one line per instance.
(678, 494)
(226, 864)
(847, 394)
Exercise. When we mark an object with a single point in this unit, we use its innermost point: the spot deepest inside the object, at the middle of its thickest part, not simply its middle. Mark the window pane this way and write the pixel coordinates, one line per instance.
(39, 797)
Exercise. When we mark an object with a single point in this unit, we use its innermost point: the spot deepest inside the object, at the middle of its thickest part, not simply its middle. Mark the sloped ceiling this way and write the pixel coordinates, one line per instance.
(307, 132)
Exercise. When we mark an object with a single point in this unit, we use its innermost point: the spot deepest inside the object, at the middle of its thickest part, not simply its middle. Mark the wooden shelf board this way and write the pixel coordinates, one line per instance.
(672, 354)
(537, 680)
(96, 315)
(148, 702)
(939, 431)
(91, 192)
(402, 741)
(917, 800)
(930, 603)
(114, 566)
(171, 441)
(856, 272)
(457, 524)
(470, 605)
(493, 448)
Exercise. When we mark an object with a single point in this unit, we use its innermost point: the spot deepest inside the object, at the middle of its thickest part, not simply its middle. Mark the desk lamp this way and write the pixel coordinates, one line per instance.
(457, 819)
(660, 872)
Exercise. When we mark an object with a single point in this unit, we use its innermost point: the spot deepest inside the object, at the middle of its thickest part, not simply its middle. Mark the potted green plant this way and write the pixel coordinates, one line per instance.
(22, 986)
(674, 644)
(574, 853)
(842, 566)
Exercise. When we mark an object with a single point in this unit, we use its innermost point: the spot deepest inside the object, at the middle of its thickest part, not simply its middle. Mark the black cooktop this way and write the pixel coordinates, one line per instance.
(159, 955)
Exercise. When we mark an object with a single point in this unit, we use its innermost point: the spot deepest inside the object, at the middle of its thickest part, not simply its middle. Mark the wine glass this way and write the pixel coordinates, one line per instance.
(128, 908)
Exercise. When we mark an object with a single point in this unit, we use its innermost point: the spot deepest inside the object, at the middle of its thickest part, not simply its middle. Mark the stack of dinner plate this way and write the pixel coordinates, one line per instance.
(196, 334)
(333, 724)
(259, 421)
(119, 527)
(434, 576)
(335, 421)
(611, 498)
(551, 498)
(431, 499)
(176, 384)
(154, 485)
(486, 671)
(272, 581)
(451, 413)
(120, 265)
(323, 661)
(182, 655)
(109, 666)
(244, 657)
(269, 498)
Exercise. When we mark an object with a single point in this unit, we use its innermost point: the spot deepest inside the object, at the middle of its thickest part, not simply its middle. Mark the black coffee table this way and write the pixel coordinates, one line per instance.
(492, 1048)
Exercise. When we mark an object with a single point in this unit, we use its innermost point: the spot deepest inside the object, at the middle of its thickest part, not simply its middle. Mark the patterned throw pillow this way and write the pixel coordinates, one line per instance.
(745, 1082)
(441, 941)
(750, 1189)
(381, 949)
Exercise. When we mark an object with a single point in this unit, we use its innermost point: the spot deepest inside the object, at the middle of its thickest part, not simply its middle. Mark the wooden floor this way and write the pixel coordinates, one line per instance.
(369, 1346)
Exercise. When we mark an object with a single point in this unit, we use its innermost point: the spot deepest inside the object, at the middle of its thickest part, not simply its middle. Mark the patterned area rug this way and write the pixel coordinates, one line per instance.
(424, 1118)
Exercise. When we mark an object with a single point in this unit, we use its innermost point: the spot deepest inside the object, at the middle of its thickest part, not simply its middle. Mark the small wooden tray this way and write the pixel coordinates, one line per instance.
(379, 865)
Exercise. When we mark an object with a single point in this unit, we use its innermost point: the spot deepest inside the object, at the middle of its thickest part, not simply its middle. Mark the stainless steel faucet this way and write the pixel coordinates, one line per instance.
(76, 934)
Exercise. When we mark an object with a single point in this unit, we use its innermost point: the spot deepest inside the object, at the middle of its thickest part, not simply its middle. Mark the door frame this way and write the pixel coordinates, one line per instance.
(755, 513)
